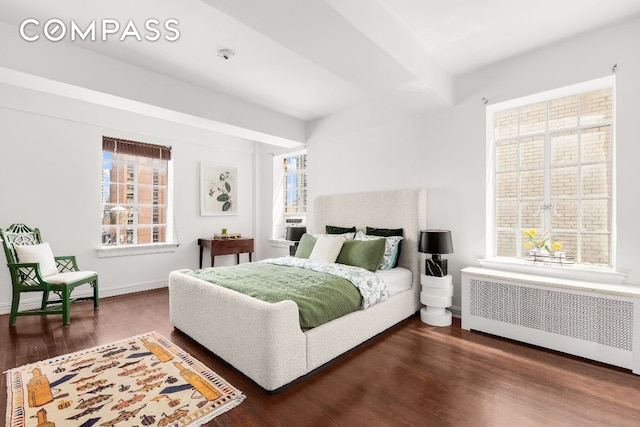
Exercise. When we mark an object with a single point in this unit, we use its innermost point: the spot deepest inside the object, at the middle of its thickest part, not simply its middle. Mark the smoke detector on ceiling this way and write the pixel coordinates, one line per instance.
(226, 54)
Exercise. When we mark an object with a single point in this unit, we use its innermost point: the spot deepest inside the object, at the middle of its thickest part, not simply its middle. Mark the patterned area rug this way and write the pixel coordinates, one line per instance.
(140, 381)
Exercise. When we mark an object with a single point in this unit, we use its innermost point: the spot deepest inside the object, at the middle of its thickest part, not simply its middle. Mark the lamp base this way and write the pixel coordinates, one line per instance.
(293, 248)
(435, 316)
(436, 267)
(436, 295)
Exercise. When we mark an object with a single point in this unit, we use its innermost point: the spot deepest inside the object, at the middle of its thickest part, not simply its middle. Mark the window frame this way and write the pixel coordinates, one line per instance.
(577, 270)
(170, 244)
(280, 216)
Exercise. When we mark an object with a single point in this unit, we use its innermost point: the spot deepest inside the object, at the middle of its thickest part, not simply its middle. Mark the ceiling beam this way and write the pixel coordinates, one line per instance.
(347, 38)
(66, 70)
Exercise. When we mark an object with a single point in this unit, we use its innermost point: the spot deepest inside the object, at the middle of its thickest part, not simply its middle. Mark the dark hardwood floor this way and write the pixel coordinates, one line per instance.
(412, 375)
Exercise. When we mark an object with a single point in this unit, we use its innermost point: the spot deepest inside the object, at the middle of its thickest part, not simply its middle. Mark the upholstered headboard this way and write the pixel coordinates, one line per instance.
(405, 209)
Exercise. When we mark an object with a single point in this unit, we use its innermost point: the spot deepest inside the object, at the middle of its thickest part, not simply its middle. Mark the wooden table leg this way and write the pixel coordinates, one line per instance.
(250, 256)
(201, 248)
(238, 258)
(212, 258)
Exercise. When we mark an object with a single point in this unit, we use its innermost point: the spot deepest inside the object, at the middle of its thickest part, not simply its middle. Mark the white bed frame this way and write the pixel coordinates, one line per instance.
(264, 340)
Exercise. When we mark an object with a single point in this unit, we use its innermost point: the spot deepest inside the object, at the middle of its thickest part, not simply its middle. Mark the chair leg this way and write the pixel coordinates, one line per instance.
(66, 303)
(15, 303)
(45, 298)
(96, 299)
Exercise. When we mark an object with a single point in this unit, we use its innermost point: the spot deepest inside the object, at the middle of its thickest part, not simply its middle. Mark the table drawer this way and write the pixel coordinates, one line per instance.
(231, 246)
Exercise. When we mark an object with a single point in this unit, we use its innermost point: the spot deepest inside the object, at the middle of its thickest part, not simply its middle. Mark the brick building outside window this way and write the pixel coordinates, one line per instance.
(551, 170)
(135, 188)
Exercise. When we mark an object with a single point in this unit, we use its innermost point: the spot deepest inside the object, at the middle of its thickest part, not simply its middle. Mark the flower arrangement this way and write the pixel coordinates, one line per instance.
(540, 243)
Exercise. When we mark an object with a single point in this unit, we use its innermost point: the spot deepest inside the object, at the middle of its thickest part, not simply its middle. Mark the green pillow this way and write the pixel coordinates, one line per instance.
(332, 229)
(307, 242)
(384, 232)
(362, 253)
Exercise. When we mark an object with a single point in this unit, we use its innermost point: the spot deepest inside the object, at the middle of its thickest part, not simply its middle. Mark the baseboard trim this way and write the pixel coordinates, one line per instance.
(456, 311)
(34, 303)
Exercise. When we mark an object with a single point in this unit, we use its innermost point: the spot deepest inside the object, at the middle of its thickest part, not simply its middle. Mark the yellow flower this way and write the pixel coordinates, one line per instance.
(543, 242)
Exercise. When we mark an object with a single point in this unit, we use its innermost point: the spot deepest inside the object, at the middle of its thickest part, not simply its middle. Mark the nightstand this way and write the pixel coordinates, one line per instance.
(436, 295)
(226, 247)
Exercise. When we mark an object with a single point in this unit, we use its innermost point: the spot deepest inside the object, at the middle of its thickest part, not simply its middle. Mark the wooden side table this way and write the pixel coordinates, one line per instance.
(226, 247)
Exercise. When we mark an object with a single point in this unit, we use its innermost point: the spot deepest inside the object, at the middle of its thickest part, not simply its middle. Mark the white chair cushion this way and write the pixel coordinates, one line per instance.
(38, 253)
(68, 277)
(327, 248)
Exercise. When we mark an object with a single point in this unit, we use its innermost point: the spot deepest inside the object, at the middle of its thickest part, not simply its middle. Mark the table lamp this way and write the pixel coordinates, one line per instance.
(294, 234)
(435, 242)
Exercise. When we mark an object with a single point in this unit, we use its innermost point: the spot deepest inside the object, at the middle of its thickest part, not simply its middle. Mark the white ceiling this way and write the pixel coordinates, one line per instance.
(311, 58)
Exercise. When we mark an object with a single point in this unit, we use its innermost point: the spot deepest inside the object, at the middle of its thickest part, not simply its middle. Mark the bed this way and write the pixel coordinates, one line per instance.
(264, 340)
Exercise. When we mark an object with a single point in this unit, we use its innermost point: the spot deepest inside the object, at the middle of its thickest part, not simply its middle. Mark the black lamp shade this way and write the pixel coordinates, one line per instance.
(294, 234)
(435, 242)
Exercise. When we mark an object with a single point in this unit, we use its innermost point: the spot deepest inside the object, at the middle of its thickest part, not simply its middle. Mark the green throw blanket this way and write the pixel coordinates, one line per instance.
(321, 297)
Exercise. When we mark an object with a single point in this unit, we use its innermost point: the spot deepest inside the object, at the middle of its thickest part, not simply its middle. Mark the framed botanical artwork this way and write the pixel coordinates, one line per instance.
(218, 189)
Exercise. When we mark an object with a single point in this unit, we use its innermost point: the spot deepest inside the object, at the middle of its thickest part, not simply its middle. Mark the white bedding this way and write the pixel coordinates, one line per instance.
(397, 279)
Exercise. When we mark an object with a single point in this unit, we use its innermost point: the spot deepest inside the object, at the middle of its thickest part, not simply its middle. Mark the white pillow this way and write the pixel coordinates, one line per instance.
(327, 248)
(38, 253)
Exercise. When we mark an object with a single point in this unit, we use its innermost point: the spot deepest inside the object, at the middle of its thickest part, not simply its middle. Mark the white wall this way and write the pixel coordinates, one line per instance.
(71, 64)
(51, 177)
(445, 153)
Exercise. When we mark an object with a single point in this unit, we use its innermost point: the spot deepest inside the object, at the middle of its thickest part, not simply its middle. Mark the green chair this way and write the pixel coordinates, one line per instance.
(33, 268)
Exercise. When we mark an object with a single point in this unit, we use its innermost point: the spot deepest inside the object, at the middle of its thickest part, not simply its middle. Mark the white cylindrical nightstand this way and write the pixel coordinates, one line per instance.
(436, 295)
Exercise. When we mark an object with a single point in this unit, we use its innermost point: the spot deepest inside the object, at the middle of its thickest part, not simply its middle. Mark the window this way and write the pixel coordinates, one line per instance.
(135, 193)
(295, 185)
(290, 186)
(551, 170)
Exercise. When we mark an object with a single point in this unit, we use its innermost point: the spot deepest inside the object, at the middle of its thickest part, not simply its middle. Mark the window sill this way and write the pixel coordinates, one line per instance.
(118, 251)
(280, 243)
(603, 275)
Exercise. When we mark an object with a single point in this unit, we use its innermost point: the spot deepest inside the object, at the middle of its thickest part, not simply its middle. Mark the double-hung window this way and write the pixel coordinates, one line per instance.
(135, 193)
(551, 160)
(290, 189)
(295, 188)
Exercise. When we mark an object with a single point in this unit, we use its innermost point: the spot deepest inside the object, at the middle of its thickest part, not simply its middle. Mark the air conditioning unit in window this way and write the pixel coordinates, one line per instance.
(294, 221)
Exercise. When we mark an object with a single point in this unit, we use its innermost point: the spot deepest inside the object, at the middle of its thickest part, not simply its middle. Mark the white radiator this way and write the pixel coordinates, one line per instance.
(597, 322)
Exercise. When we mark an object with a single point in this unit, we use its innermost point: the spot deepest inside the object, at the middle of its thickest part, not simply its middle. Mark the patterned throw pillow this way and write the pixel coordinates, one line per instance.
(387, 232)
(390, 249)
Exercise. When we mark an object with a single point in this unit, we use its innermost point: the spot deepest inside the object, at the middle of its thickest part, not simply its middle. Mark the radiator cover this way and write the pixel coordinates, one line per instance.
(586, 323)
